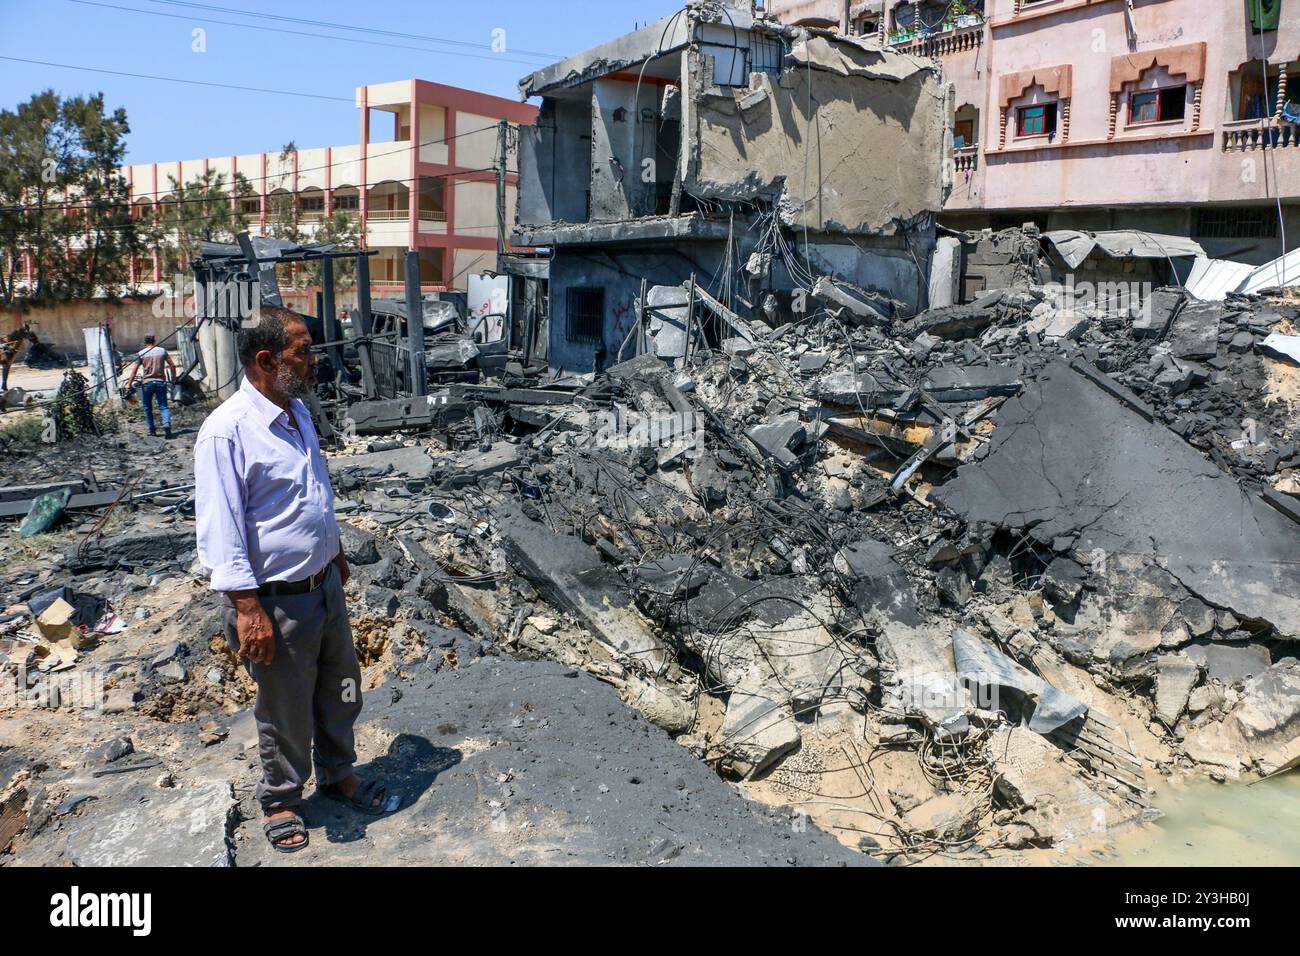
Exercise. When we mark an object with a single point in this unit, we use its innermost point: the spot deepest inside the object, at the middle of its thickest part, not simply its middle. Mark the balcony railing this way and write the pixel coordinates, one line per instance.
(388, 214)
(966, 159)
(960, 39)
(433, 215)
(1271, 133)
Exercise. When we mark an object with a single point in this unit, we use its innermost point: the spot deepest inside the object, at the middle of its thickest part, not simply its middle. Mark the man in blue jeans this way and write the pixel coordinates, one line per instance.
(153, 364)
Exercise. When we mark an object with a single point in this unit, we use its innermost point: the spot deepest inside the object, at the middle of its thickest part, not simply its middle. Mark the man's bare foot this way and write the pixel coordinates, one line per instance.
(284, 815)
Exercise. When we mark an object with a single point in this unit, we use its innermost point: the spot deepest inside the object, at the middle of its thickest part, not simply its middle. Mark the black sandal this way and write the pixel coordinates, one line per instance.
(363, 799)
(286, 828)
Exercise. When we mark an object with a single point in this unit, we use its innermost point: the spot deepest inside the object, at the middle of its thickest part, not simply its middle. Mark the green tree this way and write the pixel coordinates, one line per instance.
(201, 211)
(101, 264)
(343, 231)
(282, 204)
(62, 199)
(36, 169)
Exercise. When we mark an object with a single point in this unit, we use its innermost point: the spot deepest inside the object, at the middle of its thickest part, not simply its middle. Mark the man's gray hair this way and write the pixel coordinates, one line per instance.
(269, 333)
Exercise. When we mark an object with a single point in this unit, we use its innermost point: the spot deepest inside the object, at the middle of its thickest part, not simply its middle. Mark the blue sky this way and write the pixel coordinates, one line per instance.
(175, 121)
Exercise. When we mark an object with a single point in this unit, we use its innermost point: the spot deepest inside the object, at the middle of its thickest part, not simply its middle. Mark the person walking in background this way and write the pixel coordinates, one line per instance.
(157, 370)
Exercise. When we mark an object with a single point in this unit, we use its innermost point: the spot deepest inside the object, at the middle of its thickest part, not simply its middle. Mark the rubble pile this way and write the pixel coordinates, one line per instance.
(862, 524)
(954, 585)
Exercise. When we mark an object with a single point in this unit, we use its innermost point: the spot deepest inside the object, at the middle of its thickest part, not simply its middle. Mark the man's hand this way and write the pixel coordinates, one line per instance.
(256, 638)
(345, 573)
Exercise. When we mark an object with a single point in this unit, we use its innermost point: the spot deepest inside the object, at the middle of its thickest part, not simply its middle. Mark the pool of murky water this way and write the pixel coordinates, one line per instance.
(1212, 824)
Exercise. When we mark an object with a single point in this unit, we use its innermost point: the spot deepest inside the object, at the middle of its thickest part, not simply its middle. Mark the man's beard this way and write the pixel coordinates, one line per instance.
(290, 385)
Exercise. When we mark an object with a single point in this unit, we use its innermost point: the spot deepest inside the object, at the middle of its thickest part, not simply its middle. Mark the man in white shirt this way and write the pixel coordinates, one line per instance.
(268, 537)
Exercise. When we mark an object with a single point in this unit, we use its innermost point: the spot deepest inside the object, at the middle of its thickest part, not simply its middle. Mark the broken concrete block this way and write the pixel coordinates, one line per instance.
(970, 383)
(954, 587)
(1065, 325)
(1063, 581)
(1155, 314)
(1068, 453)
(1198, 617)
(757, 730)
(1194, 333)
(951, 817)
(148, 826)
(572, 576)
(1230, 664)
(1031, 773)
(1241, 343)
(1283, 347)
(1203, 698)
(858, 303)
(778, 440)
(173, 671)
(1176, 676)
(666, 710)
(359, 546)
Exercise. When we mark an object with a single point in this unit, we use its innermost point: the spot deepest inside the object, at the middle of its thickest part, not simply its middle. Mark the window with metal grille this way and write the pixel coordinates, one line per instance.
(765, 55)
(1235, 223)
(586, 309)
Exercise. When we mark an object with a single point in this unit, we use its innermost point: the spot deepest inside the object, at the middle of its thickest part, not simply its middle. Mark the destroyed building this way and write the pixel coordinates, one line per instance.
(957, 582)
(700, 150)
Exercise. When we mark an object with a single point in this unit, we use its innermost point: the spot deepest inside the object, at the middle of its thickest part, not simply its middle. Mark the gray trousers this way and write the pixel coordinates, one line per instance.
(310, 692)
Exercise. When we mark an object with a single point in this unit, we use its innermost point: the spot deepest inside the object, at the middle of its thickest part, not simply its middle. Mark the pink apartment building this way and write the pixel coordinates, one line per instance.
(1171, 116)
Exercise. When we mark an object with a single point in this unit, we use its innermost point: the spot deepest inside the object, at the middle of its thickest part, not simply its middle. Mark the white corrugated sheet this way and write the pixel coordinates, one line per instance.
(1279, 273)
(1212, 279)
(1075, 246)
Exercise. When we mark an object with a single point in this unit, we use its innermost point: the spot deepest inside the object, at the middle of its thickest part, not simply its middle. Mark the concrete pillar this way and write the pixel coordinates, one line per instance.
(218, 347)
(100, 365)
(945, 272)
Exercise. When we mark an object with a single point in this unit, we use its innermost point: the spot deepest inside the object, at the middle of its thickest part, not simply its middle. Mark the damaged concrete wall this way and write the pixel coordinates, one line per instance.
(883, 264)
(549, 153)
(619, 274)
(664, 35)
(624, 115)
(848, 140)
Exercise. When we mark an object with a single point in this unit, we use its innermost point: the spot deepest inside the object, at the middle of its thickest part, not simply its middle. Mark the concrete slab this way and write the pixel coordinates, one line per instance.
(1067, 458)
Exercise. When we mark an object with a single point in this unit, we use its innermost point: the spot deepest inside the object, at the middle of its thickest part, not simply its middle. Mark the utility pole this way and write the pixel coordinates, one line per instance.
(503, 134)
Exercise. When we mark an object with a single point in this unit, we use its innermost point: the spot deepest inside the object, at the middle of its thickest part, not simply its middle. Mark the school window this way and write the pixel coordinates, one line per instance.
(1036, 120)
(586, 308)
(1157, 106)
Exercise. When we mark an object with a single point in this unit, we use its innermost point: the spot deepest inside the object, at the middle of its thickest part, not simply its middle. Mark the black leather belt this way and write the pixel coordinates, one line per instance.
(306, 585)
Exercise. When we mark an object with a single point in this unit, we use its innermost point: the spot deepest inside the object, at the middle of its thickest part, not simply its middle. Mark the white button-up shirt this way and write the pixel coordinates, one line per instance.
(263, 501)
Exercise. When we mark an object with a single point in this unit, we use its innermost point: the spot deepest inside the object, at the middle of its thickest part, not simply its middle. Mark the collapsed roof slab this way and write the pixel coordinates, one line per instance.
(663, 36)
(650, 229)
(1069, 459)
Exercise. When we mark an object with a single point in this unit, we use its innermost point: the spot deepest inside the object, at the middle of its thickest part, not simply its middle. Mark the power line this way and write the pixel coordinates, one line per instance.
(321, 36)
(407, 147)
(176, 79)
(352, 27)
(223, 198)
